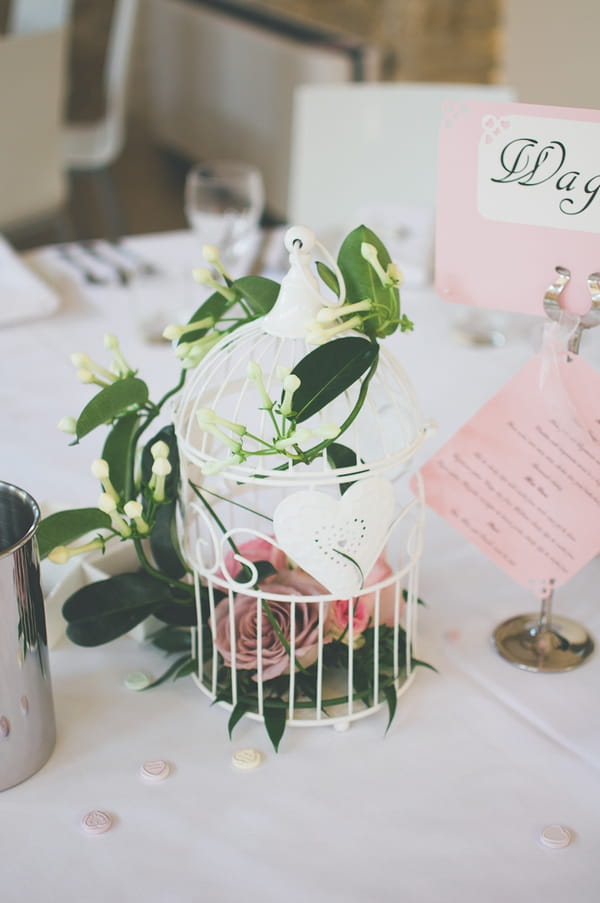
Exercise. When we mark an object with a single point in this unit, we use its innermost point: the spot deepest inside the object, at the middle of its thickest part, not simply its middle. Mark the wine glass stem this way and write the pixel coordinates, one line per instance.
(545, 613)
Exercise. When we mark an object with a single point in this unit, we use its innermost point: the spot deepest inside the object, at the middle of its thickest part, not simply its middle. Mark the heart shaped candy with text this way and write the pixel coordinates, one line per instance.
(337, 541)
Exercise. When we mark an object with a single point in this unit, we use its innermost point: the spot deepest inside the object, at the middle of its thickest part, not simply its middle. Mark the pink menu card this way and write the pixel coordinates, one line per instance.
(518, 195)
(521, 479)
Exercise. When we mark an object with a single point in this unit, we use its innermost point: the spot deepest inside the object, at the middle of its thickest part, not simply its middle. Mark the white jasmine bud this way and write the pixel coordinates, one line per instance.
(107, 503)
(298, 437)
(67, 425)
(327, 431)
(255, 374)
(395, 274)
(175, 331)
(282, 372)
(161, 468)
(331, 314)
(213, 467)
(369, 252)
(100, 469)
(160, 449)
(290, 384)
(86, 365)
(134, 511)
(86, 377)
(204, 277)
(101, 472)
(62, 554)
(112, 344)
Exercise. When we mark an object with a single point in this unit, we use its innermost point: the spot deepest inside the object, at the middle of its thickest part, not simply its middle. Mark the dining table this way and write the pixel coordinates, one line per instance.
(455, 803)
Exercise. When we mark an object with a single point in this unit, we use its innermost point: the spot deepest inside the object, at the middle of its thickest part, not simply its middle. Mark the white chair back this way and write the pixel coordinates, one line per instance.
(367, 144)
(94, 145)
(27, 16)
(32, 88)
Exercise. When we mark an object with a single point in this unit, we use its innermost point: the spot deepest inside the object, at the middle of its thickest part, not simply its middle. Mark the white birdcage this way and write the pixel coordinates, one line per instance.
(328, 637)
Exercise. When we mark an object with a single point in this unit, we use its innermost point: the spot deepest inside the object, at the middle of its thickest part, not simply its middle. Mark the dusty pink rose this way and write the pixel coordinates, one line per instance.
(363, 605)
(275, 657)
(256, 549)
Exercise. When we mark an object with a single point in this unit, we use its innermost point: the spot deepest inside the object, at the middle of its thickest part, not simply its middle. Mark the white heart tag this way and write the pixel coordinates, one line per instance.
(325, 535)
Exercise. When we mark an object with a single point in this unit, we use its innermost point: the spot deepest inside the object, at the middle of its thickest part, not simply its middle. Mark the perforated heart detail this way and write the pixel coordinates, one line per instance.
(337, 541)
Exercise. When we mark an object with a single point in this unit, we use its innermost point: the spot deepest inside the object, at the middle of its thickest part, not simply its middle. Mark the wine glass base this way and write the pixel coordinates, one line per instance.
(561, 646)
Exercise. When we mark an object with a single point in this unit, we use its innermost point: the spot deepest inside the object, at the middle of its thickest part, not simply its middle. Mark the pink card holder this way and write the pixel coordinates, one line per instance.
(518, 195)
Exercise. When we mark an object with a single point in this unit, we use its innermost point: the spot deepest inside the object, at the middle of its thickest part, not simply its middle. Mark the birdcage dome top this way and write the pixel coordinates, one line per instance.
(258, 405)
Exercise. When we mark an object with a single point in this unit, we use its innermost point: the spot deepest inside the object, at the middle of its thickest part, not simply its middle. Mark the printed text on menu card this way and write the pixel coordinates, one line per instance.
(521, 479)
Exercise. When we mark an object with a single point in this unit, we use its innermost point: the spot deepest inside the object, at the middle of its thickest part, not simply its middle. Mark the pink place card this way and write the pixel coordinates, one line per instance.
(521, 479)
(518, 195)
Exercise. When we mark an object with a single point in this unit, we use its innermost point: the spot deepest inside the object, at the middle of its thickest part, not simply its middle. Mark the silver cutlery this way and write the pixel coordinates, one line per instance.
(123, 274)
(69, 256)
(145, 267)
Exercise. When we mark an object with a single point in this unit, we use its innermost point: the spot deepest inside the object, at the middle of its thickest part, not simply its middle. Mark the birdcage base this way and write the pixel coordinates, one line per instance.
(339, 716)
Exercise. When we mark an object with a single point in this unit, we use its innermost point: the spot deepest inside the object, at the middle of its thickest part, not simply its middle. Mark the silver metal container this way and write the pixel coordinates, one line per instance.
(27, 726)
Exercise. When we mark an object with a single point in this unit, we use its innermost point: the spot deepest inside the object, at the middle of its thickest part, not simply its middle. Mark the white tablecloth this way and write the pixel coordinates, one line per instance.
(448, 807)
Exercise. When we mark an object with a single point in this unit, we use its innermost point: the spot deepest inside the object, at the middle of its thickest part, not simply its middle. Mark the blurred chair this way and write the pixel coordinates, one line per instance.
(95, 134)
(368, 144)
(33, 188)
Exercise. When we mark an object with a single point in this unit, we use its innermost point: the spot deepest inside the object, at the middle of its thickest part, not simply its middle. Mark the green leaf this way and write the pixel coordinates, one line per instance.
(164, 542)
(363, 282)
(117, 399)
(328, 277)
(189, 667)
(260, 293)
(109, 608)
(238, 712)
(173, 669)
(66, 526)
(178, 614)
(116, 449)
(214, 306)
(391, 697)
(172, 639)
(405, 597)
(340, 456)
(329, 370)
(275, 724)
